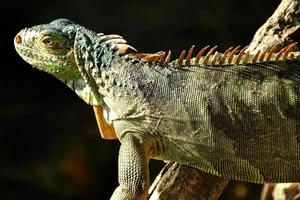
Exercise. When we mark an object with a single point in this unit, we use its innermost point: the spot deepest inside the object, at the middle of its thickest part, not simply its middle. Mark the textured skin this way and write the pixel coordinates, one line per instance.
(236, 120)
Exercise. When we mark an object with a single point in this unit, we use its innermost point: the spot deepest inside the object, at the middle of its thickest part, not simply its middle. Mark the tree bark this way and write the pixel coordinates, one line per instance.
(177, 181)
(182, 182)
(281, 28)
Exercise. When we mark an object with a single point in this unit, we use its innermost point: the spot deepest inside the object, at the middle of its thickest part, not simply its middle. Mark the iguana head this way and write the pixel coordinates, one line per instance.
(71, 53)
(74, 55)
(51, 48)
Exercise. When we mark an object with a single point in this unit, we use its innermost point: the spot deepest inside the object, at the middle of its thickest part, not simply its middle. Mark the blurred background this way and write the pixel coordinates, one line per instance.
(50, 147)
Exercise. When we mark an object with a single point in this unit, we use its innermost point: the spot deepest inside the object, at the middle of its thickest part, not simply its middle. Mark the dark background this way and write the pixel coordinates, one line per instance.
(50, 147)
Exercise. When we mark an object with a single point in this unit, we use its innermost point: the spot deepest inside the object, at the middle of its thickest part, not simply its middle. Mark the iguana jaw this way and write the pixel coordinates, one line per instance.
(64, 50)
(49, 48)
(51, 64)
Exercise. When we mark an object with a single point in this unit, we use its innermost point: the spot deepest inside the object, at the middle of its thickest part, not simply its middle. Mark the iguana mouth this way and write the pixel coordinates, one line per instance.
(54, 64)
(61, 65)
(36, 58)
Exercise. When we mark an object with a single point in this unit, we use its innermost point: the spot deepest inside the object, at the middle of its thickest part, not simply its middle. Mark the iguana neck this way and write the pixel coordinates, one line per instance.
(96, 55)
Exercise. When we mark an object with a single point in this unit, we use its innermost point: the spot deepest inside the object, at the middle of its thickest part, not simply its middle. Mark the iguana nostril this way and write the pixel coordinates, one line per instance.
(18, 39)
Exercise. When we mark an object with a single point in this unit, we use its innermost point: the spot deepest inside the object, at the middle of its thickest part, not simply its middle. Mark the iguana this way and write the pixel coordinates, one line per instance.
(230, 114)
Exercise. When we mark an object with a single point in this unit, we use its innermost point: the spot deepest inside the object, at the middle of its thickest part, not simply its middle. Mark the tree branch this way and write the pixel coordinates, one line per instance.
(281, 28)
(182, 182)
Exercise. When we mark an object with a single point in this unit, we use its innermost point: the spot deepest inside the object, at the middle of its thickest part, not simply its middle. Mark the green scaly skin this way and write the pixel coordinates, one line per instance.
(237, 120)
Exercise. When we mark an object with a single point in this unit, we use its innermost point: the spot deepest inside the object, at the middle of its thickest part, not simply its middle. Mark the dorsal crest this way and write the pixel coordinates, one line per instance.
(116, 42)
(232, 56)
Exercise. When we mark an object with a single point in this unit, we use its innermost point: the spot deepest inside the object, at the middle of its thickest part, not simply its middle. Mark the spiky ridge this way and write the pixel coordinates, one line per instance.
(232, 56)
(57, 62)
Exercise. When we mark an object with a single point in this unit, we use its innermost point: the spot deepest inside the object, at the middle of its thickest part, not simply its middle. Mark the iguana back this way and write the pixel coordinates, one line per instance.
(238, 121)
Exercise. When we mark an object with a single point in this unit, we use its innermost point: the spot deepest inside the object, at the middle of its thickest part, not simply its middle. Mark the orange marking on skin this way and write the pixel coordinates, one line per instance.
(106, 131)
(137, 55)
(148, 56)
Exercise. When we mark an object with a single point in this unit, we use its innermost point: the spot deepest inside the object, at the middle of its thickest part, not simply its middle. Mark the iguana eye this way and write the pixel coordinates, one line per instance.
(48, 41)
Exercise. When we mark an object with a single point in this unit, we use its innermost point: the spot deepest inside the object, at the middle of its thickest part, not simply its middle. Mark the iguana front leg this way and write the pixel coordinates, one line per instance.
(134, 156)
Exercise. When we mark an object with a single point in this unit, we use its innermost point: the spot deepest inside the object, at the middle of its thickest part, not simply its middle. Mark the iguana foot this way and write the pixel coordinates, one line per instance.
(122, 193)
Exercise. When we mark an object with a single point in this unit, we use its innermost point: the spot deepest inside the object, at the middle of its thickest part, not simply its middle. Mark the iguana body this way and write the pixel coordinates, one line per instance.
(232, 114)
